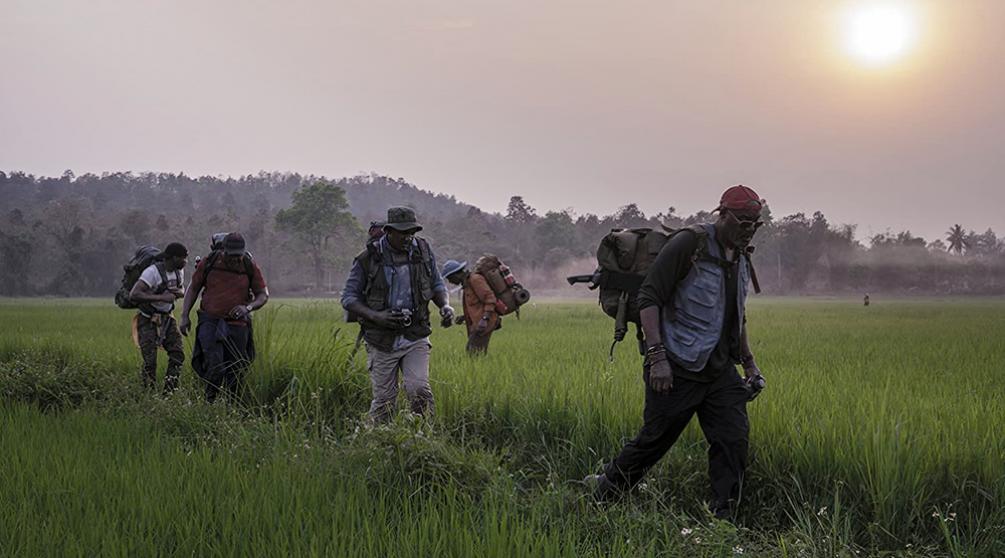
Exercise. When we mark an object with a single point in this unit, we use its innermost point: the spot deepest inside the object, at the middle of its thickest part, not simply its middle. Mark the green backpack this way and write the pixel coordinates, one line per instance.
(624, 258)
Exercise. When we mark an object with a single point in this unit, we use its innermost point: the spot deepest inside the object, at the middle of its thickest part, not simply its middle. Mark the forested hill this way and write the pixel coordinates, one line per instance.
(122, 192)
(70, 235)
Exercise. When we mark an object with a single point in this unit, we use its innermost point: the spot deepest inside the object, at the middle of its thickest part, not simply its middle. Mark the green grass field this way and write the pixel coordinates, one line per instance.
(880, 432)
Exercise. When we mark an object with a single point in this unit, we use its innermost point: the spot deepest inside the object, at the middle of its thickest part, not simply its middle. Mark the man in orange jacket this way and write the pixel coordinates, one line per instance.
(480, 315)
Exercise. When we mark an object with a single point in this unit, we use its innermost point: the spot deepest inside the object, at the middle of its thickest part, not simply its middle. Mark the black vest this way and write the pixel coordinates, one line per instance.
(376, 292)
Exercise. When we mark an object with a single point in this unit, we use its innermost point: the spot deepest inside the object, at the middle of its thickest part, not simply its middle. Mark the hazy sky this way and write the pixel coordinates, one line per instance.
(572, 104)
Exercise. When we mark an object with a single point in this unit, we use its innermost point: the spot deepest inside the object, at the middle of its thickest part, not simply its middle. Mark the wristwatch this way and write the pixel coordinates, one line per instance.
(248, 308)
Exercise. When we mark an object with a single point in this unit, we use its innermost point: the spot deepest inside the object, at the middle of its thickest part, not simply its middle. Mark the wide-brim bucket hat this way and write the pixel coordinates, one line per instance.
(402, 219)
(451, 267)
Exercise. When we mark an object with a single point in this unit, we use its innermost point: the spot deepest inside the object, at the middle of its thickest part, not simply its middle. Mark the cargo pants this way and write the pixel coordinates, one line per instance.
(160, 330)
(721, 406)
(413, 362)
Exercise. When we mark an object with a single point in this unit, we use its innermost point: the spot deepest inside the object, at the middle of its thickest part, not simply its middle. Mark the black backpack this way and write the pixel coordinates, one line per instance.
(144, 257)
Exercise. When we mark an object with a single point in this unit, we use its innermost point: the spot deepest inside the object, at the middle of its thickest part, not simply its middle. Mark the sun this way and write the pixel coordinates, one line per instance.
(879, 33)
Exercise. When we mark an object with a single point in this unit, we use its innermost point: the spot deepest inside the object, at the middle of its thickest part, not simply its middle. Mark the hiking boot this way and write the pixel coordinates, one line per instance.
(723, 510)
(170, 385)
(602, 489)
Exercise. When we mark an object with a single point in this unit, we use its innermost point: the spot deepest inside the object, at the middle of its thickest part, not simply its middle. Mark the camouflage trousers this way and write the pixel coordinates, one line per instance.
(160, 330)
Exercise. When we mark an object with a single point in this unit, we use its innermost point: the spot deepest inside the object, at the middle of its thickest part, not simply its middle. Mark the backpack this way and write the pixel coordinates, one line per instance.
(510, 295)
(216, 252)
(624, 258)
(144, 257)
(351, 318)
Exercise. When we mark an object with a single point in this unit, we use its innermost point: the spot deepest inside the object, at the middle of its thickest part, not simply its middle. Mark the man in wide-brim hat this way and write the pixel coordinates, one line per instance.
(390, 287)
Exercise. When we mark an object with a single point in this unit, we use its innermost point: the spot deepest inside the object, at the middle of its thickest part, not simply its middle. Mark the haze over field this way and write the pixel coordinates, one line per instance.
(888, 117)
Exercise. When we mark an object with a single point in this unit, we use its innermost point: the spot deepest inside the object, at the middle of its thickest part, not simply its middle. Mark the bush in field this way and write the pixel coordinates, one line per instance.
(55, 381)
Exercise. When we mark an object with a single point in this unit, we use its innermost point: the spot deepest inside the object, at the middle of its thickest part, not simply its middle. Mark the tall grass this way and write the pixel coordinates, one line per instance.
(878, 423)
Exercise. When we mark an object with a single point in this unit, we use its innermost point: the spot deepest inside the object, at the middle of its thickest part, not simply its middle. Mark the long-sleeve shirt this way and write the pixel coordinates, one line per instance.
(399, 280)
(479, 300)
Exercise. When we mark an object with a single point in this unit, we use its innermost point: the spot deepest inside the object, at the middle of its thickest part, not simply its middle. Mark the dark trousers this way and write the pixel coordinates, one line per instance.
(225, 356)
(479, 344)
(153, 333)
(721, 406)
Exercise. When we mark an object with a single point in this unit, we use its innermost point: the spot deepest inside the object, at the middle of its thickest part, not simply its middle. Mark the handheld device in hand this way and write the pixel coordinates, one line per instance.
(755, 384)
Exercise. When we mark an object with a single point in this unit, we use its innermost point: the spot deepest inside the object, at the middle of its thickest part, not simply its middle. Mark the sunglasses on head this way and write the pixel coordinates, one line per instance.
(746, 224)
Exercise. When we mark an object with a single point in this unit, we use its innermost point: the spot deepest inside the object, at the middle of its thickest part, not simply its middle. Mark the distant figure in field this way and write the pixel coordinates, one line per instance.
(158, 287)
(692, 304)
(389, 288)
(865, 301)
(232, 287)
(480, 314)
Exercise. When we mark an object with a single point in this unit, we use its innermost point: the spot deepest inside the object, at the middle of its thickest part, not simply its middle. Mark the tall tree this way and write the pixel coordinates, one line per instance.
(320, 220)
(957, 239)
(630, 216)
(136, 225)
(985, 244)
(556, 235)
(520, 211)
(16, 252)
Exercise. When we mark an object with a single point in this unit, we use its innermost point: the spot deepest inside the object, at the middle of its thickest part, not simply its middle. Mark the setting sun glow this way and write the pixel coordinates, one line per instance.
(879, 33)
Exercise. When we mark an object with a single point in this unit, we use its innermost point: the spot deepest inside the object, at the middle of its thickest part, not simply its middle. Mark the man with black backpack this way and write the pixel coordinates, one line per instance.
(154, 293)
(232, 287)
(692, 310)
(389, 288)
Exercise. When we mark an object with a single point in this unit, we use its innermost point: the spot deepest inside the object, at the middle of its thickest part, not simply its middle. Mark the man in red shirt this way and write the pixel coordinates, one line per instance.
(232, 287)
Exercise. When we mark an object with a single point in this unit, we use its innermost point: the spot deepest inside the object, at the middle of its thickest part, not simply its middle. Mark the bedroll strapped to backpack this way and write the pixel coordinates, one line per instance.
(624, 257)
(144, 257)
(510, 295)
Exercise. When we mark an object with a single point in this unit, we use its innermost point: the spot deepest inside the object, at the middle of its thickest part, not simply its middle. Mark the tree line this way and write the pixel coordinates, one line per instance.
(70, 235)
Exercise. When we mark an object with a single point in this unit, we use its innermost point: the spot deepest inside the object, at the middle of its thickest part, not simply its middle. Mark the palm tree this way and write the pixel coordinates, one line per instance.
(957, 238)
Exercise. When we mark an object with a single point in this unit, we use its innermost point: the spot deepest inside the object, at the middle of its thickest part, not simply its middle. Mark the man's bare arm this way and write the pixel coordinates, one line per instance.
(650, 316)
(746, 355)
(186, 308)
(260, 299)
(660, 373)
(141, 293)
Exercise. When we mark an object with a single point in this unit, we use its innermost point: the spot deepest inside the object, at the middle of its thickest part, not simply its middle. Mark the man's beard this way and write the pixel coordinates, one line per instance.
(743, 240)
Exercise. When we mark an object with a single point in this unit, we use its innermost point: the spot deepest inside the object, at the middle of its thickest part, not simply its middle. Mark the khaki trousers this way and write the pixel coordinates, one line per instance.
(413, 362)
